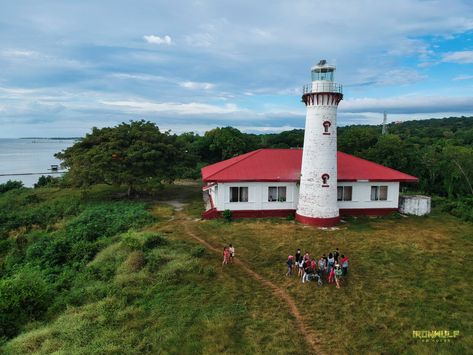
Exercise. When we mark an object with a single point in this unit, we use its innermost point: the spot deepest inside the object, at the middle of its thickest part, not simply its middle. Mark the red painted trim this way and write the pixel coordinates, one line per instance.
(296, 180)
(211, 214)
(320, 222)
(367, 211)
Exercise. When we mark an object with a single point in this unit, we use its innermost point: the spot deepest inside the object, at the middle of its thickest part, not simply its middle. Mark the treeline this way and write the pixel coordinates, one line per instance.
(438, 151)
(137, 154)
(143, 158)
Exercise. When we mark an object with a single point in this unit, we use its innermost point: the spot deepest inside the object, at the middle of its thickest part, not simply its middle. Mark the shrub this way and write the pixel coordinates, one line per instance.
(131, 240)
(10, 185)
(108, 219)
(291, 217)
(210, 271)
(198, 251)
(153, 240)
(47, 181)
(227, 215)
(155, 260)
(134, 262)
(23, 297)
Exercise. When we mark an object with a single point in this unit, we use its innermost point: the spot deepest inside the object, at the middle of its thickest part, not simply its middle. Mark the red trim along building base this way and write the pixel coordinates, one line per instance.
(319, 222)
(367, 211)
(213, 213)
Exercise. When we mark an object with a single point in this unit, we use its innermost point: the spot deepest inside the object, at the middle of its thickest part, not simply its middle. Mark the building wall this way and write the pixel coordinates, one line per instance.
(361, 195)
(258, 196)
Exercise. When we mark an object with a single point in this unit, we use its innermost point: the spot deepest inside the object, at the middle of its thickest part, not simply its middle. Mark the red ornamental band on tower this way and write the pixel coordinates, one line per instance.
(318, 184)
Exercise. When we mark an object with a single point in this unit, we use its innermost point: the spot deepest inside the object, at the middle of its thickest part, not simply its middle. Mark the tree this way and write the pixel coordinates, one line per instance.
(10, 185)
(130, 154)
(224, 143)
(356, 139)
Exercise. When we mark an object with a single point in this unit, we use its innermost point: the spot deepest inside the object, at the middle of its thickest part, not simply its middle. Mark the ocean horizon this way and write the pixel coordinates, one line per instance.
(32, 155)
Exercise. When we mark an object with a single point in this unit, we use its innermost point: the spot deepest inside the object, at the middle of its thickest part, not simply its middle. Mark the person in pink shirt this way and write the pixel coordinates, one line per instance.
(226, 256)
(331, 276)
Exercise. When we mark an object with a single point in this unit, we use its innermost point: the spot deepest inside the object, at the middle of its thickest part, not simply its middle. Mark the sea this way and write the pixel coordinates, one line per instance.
(32, 156)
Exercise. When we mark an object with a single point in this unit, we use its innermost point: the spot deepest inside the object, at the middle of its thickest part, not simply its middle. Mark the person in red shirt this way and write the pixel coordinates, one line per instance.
(344, 263)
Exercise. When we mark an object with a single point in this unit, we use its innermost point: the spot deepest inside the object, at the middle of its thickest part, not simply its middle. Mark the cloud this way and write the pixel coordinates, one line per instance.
(377, 76)
(20, 53)
(141, 77)
(152, 39)
(463, 77)
(192, 85)
(192, 108)
(460, 57)
(409, 104)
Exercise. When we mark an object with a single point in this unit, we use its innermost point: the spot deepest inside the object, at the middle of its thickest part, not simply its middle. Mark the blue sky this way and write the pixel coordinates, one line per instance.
(66, 66)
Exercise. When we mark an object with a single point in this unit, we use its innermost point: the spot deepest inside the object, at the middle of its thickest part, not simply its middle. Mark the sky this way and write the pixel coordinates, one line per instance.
(67, 66)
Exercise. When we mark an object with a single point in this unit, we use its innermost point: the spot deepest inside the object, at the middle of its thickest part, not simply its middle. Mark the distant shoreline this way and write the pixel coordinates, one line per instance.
(53, 138)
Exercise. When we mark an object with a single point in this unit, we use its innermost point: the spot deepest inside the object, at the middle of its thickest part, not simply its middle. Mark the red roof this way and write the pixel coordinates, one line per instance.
(285, 165)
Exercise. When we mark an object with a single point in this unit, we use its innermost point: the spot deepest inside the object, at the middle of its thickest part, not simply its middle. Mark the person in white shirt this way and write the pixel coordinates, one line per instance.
(232, 252)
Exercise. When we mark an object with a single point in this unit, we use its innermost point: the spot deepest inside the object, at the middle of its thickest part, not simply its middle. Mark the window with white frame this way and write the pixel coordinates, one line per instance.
(344, 193)
(379, 193)
(277, 193)
(238, 194)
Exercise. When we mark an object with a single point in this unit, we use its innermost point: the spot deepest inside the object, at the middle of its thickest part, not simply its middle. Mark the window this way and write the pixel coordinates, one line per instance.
(238, 194)
(277, 193)
(326, 125)
(379, 193)
(344, 193)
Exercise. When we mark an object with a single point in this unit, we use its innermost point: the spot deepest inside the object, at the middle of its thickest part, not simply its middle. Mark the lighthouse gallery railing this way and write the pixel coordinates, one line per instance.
(322, 87)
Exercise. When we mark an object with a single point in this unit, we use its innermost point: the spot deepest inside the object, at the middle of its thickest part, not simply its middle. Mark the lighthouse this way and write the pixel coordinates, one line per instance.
(318, 182)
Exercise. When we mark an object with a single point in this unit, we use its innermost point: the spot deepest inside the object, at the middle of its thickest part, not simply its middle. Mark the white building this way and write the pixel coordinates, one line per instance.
(266, 183)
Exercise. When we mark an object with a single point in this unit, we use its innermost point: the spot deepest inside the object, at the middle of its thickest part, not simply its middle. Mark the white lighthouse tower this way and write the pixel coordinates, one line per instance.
(318, 187)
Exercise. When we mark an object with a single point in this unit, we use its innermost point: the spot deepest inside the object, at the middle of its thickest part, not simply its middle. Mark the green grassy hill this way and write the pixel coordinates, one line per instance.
(93, 273)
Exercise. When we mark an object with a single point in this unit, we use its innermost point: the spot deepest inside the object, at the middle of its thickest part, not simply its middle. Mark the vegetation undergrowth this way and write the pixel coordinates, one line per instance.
(94, 281)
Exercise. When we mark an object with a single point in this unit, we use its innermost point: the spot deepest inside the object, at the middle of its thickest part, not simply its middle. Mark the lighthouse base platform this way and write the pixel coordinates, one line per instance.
(318, 222)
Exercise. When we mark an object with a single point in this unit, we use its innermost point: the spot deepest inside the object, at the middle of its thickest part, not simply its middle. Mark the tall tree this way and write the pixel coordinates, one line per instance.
(129, 154)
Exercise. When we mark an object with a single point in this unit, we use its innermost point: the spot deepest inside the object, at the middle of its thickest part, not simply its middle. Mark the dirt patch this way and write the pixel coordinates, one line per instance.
(178, 205)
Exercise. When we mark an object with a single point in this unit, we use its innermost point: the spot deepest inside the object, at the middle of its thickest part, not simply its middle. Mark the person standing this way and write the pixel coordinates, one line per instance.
(338, 275)
(300, 266)
(331, 275)
(289, 263)
(226, 255)
(330, 263)
(321, 265)
(298, 255)
(231, 250)
(336, 254)
(344, 262)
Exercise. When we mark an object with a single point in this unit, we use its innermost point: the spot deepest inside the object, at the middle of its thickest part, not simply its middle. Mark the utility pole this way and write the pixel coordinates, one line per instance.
(385, 120)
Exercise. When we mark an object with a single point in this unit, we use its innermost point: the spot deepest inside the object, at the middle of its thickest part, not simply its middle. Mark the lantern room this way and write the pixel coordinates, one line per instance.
(323, 71)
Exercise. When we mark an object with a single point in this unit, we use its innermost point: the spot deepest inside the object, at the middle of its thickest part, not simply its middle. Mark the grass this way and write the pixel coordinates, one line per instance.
(405, 274)
(154, 290)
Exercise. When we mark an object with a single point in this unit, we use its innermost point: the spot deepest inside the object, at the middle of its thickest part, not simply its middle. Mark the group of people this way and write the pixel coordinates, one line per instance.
(332, 267)
(228, 254)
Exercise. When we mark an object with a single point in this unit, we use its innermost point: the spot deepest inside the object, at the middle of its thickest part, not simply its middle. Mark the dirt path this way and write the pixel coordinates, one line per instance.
(276, 290)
